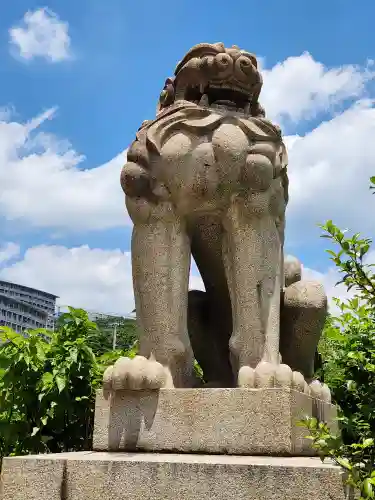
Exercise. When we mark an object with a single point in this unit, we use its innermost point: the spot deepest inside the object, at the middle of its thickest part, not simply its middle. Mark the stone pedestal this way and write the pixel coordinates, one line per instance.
(154, 476)
(227, 421)
(225, 428)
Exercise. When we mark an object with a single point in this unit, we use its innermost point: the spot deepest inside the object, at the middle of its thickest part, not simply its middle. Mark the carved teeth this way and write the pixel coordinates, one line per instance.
(180, 94)
(202, 88)
(247, 108)
(204, 100)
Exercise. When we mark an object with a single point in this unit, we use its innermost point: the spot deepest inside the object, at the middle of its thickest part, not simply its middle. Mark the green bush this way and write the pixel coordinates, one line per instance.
(48, 382)
(347, 351)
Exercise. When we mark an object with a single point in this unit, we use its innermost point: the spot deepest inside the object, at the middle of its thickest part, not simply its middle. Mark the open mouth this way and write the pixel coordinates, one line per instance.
(212, 95)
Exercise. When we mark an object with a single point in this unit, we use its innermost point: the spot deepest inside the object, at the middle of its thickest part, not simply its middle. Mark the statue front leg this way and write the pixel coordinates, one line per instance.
(161, 263)
(253, 258)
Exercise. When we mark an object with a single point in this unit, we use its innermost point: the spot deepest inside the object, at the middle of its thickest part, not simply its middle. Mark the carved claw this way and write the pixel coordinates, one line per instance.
(134, 374)
(320, 391)
(267, 375)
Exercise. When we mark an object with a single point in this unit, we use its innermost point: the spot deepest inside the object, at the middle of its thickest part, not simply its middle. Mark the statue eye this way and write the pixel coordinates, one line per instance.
(163, 95)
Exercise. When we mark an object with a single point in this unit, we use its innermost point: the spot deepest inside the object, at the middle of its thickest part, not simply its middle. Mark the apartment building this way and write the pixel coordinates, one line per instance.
(23, 307)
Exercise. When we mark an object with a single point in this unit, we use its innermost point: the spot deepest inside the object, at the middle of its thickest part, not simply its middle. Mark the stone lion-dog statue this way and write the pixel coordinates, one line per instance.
(208, 178)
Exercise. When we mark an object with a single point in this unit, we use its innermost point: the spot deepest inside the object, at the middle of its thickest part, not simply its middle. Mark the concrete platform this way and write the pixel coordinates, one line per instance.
(226, 421)
(154, 476)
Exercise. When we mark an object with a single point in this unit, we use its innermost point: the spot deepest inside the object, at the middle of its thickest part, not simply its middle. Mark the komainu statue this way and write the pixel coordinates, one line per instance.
(208, 178)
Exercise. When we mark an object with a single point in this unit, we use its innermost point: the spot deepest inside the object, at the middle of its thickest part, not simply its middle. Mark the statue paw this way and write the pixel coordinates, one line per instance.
(315, 389)
(320, 391)
(267, 375)
(134, 374)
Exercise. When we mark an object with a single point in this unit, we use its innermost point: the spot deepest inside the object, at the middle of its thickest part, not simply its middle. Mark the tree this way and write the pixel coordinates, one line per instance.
(125, 330)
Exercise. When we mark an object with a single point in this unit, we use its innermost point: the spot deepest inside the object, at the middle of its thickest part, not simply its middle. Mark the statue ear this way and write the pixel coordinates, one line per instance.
(161, 101)
(167, 95)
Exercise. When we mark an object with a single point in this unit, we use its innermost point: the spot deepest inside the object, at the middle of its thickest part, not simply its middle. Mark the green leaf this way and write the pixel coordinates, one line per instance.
(344, 462)
(329, 226)
(363, 250)
(60, 382)
(351, 385)
(74, 354)
(7, 333)
(47, 379)
(345, 245)
(321, 443)
(367, 489)
(82, 398)
(331, 252)
(334, 333)
(41, 355)
(35, 431)
(368, 442)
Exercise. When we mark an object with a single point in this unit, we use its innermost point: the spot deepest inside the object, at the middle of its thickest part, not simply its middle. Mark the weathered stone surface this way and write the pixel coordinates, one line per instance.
(292, 270)
(303, 314)
(153, 476)
(207, 177)
(234, 421)
(37, 477)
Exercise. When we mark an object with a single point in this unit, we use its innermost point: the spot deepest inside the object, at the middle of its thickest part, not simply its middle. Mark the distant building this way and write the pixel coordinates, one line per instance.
(23, 307)
(95, 316)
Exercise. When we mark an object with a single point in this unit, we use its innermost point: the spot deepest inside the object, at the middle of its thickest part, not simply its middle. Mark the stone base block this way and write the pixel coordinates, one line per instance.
(154, 476)
(223, 421)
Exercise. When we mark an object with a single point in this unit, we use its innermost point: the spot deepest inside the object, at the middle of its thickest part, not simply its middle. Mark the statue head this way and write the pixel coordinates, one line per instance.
(211, 74)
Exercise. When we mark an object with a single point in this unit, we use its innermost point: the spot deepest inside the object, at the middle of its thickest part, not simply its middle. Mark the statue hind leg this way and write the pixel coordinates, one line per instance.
(210, 316)
(303, 314)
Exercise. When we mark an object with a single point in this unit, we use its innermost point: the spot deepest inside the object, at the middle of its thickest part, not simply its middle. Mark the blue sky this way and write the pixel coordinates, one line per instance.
(98, 76)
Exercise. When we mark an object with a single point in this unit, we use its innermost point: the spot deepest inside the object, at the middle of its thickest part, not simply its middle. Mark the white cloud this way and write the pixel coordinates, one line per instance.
(196, 282)
(82, 277)
(8, 251)
(42, 182)
(329, 280)
(300, 87)
(329, 172)
(95, 279)
(101, 280)
(41, 34)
